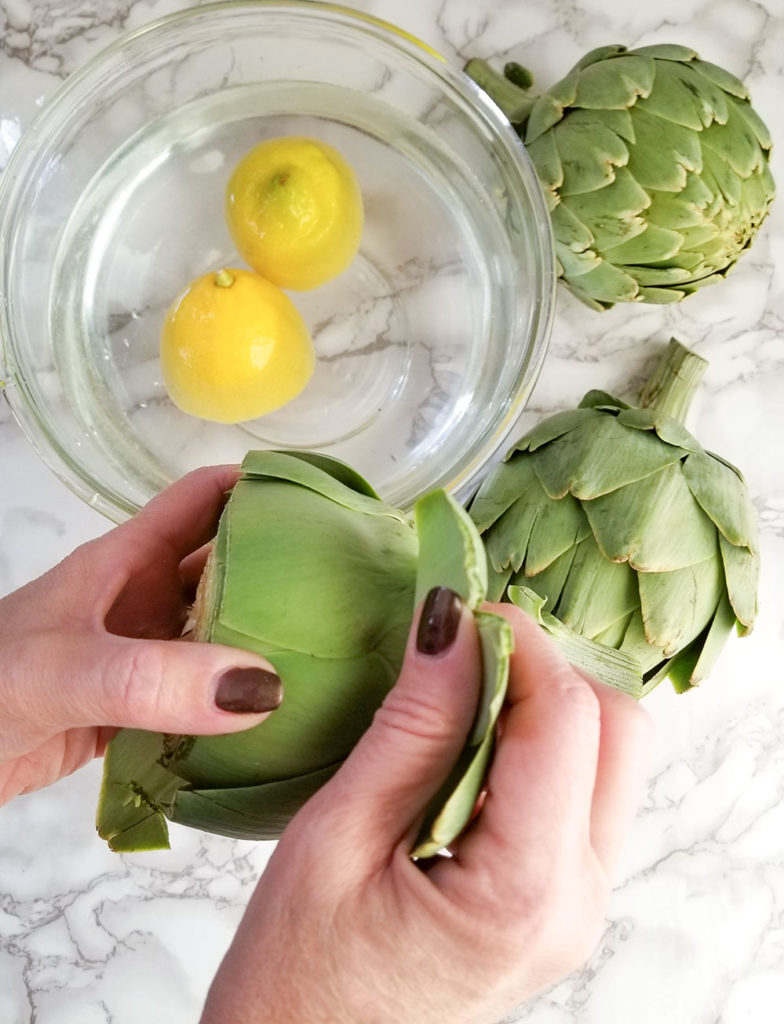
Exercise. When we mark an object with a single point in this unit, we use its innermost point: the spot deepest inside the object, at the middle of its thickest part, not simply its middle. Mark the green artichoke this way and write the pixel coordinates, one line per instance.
(633, 545)
(654, 164)
(313, 571)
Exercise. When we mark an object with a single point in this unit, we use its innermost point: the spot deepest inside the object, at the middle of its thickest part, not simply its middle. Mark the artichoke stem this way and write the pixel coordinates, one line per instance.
(514, 101)
(674, 381)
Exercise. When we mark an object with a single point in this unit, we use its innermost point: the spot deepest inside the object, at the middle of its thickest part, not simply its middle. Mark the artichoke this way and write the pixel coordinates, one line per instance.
(313, 571)
(633, 545)
(654, 164)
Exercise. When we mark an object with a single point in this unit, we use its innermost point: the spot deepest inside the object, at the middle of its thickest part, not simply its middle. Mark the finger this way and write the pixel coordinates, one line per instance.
(380, 792)
(540, 784)
(624, 761)
(185, 515)
(131, 576)
(163, 686)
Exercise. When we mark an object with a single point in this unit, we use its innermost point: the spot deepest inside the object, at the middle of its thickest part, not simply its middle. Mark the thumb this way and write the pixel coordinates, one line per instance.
(159, 685)
(416, 736)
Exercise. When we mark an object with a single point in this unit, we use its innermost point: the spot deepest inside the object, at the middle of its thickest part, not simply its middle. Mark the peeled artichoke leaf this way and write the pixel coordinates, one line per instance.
(676, 605)
(722, 495)
(451, 552)
(600, 661)
(451, 809)
(137, 792)
(654, 523)
(600, 457)
(742, 570)
(249, 812)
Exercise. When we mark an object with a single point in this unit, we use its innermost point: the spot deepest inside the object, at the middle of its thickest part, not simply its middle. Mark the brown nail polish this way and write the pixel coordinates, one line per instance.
(439, 621)
(247, 691)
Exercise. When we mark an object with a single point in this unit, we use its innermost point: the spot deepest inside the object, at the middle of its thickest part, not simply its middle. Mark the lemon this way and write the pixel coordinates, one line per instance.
(234, 347)
(294, 210)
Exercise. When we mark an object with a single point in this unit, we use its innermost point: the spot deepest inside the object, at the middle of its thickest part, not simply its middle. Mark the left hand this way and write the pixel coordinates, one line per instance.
(86, 647)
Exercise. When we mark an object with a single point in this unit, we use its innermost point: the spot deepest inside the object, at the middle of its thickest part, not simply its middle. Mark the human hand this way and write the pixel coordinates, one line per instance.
(85, 648)
(345, 928)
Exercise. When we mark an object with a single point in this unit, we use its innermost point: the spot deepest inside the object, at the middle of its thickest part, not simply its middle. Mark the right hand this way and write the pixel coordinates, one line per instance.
(345, 928)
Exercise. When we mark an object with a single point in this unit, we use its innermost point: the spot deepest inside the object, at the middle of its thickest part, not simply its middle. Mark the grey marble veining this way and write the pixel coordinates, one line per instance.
(695, 932)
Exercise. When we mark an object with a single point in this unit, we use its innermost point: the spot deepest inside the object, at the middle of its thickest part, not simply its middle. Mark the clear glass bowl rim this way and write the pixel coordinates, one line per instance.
(42, 435)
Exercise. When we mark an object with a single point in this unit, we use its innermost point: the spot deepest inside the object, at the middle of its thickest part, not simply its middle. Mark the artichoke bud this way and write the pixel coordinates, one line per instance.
(655, 166)
(313, 571)
(631, 544)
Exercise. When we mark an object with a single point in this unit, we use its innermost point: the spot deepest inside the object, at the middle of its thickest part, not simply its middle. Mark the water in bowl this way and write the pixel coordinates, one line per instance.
(402, 337)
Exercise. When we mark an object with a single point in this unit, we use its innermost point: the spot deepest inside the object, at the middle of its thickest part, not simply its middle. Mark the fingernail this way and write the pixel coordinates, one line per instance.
(247, 691)
(440, 619)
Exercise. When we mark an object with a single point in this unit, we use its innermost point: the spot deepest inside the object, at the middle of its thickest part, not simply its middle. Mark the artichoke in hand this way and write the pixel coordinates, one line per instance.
(635, 547)
(655, 166)
(313, 571)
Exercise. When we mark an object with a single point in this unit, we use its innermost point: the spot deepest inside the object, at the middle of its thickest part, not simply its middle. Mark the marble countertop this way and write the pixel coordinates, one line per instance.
(695, 933)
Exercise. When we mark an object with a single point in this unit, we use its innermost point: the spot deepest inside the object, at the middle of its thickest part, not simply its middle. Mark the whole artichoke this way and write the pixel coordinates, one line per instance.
(612, 523)
(313, 571)
(654, 164)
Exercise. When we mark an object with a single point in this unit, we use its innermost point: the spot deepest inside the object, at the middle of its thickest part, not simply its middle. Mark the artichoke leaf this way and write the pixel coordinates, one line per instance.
(502, 486)
(679, 98)
(137, 792)
(613, 667)
(721, 494)
(655, 523)
(596, 593)
(676, 605)
(615, 84)
(742, 570)
(248, 812)
(664, 152)
(693, 664)
(454, 804)
(451, 552)
(736, 144)
(667, 51)
(600, 457)
(550, 429)
(725, 80)
(651, 245)
(603, 286)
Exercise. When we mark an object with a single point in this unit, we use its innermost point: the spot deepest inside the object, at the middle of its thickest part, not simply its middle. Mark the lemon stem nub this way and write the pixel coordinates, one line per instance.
(224, 278)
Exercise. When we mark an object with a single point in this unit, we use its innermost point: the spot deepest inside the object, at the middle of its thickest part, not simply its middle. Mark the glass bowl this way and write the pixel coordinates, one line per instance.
(427, 346)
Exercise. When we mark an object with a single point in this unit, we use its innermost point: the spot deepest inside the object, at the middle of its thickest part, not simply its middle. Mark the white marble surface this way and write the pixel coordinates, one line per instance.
(695, 932)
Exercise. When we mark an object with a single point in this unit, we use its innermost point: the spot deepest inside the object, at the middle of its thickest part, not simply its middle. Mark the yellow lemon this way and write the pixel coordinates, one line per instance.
(234, 347)
(294, 210)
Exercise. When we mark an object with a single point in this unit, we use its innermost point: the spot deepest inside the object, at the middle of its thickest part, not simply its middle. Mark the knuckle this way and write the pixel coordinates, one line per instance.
(134, 682)
(420, 715)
